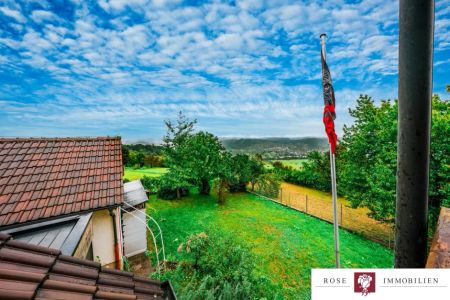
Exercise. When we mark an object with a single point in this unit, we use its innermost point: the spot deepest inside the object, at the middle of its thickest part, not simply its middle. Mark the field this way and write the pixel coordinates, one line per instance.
(320, 205)
(287, 243)
(294, 163)
(133, 174)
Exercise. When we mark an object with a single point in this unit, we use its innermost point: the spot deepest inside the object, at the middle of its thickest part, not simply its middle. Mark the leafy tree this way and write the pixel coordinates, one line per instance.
(241, 172)
(439, 191)
(173, 185)
(224, 175)
(268, 184)
(197, 158)
(176, 156)
(151, 184)
(256, 169)
(447, 88)
(314, 173)
(125, 155)
(368, 164)
(203, 156)
(368, 160)
(278, 164)
(177, 133)
(140, 159)
(152, 160)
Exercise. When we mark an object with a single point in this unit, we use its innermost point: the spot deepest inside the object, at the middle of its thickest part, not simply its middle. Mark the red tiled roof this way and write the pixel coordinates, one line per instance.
(35, 272)
(48, 177)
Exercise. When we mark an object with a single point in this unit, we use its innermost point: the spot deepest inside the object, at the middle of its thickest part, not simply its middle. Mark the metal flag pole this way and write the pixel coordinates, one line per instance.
(333, 180)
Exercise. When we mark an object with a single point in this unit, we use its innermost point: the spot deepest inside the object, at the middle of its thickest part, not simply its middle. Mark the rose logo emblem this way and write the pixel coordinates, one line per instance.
(364, 281)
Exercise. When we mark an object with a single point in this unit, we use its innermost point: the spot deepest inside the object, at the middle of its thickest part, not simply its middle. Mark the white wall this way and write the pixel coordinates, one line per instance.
(134, 232)
(103, 237)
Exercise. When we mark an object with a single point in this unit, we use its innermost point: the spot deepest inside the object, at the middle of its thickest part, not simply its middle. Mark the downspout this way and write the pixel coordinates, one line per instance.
(112, 213)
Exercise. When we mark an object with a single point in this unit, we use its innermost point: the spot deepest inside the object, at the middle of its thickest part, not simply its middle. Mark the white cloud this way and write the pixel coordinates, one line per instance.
(41, 16)
(15, 14)
(255, 62)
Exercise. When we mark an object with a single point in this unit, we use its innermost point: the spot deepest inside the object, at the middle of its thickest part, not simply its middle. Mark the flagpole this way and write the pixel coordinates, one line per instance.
(333, 180)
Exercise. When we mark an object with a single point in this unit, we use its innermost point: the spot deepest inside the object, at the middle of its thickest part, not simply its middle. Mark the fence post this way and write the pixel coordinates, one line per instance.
(306, 197)
(389, 239)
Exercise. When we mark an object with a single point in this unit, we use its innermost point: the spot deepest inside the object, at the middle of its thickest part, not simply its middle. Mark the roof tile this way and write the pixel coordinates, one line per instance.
(38, 173)
(35, 272)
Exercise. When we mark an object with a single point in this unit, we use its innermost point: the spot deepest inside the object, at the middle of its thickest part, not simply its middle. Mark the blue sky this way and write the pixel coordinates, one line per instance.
(243, 68)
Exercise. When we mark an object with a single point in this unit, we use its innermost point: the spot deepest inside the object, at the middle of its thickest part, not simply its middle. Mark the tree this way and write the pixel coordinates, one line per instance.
(152, 160)
(241, 172)
(268, 184)
(140, 157)
(198, 158)
(202, 156)
(440, 153)
(173, 185)
(224, 175)
(447, 88)
(367, 162)
(125, 155)
(256, 168)
(177, 133)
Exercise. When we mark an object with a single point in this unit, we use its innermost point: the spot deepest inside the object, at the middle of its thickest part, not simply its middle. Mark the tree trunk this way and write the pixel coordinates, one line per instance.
(178, 193)
(205, 188)
(221, 192)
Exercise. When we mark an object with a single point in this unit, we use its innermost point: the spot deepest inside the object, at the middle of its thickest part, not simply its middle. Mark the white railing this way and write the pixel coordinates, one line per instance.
(154, 237)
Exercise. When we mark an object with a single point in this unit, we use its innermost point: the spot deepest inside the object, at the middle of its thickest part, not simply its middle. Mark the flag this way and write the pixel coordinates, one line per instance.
(329, 113)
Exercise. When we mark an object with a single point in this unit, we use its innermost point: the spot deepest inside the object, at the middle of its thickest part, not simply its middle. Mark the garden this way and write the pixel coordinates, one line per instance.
(224, 242)
(283, 244)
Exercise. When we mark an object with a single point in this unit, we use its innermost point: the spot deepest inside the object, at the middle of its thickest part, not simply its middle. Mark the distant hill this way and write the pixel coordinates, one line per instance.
(276, 148)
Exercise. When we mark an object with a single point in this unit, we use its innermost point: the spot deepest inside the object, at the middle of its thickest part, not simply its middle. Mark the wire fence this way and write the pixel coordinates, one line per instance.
(354, 220)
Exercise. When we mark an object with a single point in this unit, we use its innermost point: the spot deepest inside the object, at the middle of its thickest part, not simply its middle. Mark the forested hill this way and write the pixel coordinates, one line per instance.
(275, 148)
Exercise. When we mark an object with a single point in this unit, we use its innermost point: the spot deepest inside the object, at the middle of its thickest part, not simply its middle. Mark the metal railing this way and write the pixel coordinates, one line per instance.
(354, 220)
(160, 264)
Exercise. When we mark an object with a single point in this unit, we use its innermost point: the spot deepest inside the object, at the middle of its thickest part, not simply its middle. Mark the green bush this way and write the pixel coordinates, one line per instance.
(169, 193)
(236, 187)
(215, 266)
(151, 184)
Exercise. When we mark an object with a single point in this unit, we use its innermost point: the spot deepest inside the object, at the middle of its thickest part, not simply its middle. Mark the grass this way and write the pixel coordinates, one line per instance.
(294, 163)
(288, 244)
(320, 205)
(133, 174)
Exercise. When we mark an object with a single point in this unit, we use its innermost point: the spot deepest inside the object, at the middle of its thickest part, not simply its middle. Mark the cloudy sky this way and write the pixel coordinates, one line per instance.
(242, 68)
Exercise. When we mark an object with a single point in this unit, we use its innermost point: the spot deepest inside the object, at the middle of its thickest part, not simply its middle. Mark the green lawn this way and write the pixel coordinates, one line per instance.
(133, 174)
(294, 163)
(287, 243)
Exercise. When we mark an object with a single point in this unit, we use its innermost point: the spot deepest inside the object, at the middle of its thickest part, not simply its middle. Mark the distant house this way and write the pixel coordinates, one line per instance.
(64, 193)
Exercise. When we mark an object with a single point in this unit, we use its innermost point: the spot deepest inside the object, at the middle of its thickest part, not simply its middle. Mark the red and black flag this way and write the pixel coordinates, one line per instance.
(329, 113)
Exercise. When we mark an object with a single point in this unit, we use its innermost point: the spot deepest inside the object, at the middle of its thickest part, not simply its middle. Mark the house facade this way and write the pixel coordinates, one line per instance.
(64, 193)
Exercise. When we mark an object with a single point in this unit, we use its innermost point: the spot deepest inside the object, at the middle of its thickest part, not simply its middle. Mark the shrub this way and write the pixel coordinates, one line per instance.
(216, 266)
(151, 183)
(237, 187)
(169, 193)
(268, 185)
